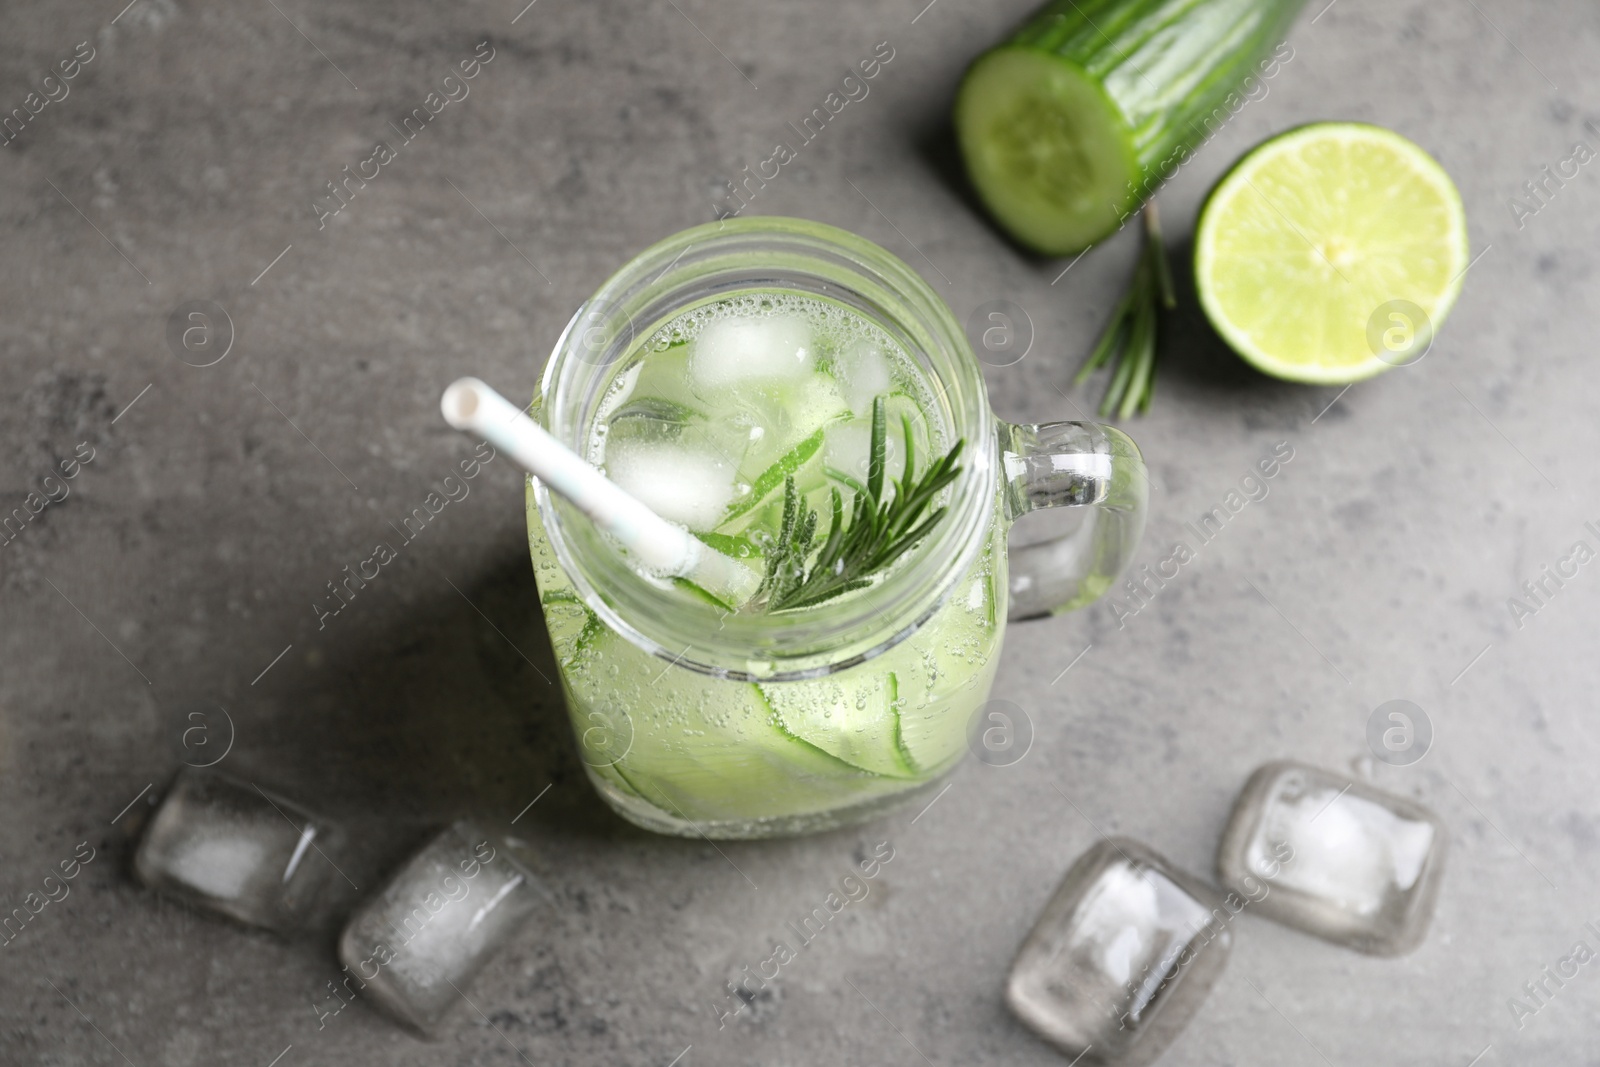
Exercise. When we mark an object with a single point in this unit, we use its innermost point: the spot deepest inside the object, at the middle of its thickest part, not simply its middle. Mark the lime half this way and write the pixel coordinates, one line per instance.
(1331, 253)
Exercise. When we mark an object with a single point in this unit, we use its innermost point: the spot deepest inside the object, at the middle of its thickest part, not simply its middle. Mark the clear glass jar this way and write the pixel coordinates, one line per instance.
(694, 720)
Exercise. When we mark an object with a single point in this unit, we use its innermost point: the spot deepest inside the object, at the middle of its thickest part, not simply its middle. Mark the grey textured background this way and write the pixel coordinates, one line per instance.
(191, 548)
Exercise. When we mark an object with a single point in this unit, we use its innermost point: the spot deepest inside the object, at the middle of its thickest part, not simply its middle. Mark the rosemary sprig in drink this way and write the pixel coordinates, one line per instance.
(883, 525)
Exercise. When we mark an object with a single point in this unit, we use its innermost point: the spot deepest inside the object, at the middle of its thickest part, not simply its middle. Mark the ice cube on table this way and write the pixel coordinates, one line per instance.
(684, 483)
(416, 945)
(1340, 859)
(226, 845)
(1122, 956)
(735, 351)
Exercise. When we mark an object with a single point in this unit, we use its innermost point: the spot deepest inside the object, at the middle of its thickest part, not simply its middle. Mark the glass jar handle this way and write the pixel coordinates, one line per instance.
(1072, 464)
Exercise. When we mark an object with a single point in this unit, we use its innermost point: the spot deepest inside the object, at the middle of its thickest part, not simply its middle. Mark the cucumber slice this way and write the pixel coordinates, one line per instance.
(1071, 123)
(858, 722)
(700, 593)
(1047, 148)
(710, 750)
(934, 736)
(731, 545)
(789, 463)
(667, 417)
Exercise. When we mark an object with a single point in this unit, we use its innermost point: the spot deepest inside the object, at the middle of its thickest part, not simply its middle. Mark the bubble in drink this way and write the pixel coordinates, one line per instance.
(417, 944)
(1346, 862)
(1121, 957)
(224, 845)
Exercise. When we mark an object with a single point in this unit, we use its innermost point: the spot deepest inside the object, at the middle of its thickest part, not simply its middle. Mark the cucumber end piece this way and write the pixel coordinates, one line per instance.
(1049, 151)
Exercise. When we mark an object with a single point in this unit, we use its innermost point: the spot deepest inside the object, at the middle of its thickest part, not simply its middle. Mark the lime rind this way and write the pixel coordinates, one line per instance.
(1294, 330)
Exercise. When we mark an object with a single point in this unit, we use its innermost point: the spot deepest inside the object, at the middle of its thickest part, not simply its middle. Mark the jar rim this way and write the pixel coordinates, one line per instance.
(726, 257)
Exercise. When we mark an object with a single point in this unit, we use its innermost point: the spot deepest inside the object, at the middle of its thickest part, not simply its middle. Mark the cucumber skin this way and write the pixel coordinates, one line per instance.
(1171, 70)
(1167, 64)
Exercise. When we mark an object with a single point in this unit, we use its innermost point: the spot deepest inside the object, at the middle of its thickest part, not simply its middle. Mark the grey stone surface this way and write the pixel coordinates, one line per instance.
(179, 576)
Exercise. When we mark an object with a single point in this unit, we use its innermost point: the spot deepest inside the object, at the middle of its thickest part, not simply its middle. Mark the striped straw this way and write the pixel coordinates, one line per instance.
(471, 406)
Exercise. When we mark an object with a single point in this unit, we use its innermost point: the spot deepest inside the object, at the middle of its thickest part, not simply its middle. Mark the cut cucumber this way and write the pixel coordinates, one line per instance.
(771, 478)
(1070, 124)
(1047, 148)
(856, 719)
(707, 749)
(702, 594)
(931, 737)
(731, 545)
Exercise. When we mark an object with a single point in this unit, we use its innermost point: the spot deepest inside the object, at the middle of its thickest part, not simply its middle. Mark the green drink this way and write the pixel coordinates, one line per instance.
(703, 421)
(735, 378)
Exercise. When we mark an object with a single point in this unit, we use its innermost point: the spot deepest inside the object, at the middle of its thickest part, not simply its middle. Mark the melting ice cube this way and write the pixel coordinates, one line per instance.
(1341, 859)
(733, 351)
(226, 845)
(847, 448)
(417, 944)
(1121, 957)
(682, 483)
(863, 375)
(848, 444)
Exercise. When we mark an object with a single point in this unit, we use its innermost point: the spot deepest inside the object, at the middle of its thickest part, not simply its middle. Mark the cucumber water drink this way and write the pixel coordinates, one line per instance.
(704, 422)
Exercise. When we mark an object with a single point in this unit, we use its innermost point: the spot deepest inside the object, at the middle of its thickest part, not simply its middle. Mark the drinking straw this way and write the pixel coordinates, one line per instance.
(471, 406)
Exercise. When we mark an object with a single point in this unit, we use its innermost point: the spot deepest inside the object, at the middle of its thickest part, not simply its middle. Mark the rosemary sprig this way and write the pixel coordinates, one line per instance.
(1129, 340)
(883, 525)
